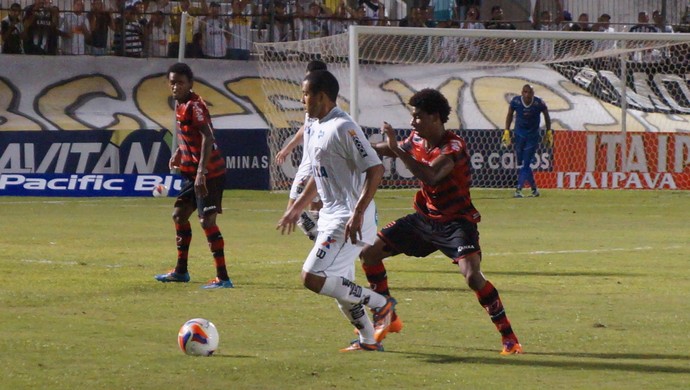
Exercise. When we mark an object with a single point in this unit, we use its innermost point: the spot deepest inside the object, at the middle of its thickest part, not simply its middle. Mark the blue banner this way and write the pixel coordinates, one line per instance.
(117, 163)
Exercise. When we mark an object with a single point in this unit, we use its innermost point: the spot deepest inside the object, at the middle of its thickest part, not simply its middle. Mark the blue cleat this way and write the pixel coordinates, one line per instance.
(173, 276)
(218, 283)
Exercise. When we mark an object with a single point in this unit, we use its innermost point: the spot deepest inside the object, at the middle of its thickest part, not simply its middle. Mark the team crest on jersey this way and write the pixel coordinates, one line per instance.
(358, 143)
(455, 145)
(198, 112)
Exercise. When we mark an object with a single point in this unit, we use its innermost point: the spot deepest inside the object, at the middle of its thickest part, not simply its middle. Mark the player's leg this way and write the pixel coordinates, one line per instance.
(209, 207)
(459, 240)
(183, 209)
(529, 158)
(520, 144)
(329, 271)
(488, 297)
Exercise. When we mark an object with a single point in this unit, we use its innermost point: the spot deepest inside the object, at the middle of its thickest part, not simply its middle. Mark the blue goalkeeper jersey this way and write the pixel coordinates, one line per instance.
(527, 118)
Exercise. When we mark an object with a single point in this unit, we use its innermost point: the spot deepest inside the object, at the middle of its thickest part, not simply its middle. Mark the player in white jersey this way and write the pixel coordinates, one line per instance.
(309, 217)
(346, 172)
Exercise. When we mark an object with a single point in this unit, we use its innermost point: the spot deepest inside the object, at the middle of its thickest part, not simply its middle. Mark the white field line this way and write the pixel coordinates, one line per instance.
(437, 255)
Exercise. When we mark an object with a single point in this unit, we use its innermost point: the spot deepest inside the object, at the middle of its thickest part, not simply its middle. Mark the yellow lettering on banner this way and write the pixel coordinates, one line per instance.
(493, 94)
(10, 118)
(280, 109)
(59, 103)
(451, 89)
(154, 101)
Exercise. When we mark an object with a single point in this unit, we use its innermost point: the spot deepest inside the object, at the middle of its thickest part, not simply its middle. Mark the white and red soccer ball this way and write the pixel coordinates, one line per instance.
(160, 191)
(198, 337)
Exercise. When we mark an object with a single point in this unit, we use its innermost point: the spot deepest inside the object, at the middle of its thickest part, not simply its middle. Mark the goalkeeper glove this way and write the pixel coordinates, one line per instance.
(548, 138)
(505, 140)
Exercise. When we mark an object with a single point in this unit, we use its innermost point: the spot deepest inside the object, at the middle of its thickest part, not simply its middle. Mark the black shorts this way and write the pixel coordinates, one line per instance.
(415, 235)
(212, 203)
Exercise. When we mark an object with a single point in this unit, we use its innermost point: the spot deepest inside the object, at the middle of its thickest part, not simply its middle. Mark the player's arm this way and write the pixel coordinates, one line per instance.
(383, 148)
(289, 219)
(429, 174)
(207, 140)
(509, 118)
(287, 149)
(505, 139)
(353, 228)
(548, 135)
(547, 119)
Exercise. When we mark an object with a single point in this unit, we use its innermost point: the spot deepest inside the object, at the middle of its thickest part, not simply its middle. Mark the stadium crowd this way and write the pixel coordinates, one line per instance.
(228, 28)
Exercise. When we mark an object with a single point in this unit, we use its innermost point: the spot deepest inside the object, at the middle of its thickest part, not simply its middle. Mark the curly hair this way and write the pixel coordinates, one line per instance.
(431, 101)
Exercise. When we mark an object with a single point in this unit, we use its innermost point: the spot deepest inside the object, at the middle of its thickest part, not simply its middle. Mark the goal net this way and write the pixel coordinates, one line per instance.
(619, 102)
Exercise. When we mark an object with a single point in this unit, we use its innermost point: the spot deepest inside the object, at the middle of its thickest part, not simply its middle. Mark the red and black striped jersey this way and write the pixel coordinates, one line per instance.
(191, 116)
(450, 199)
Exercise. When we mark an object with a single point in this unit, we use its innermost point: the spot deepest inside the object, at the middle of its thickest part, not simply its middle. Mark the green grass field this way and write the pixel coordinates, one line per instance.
(594, 282)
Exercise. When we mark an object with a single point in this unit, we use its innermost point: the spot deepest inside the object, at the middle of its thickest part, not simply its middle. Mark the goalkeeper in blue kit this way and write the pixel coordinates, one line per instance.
(529, 109)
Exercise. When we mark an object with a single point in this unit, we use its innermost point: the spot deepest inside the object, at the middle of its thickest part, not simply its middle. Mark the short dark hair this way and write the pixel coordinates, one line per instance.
(183, 69)
(431, 101)
(16, 6)
(323, 81)
(495, 8)
(316, 65)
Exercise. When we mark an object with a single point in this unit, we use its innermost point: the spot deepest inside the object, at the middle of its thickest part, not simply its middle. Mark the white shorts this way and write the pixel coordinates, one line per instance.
(332, 255)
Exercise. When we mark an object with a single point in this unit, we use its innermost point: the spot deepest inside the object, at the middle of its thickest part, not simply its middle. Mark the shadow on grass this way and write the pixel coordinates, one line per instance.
(527, 273)
(524, 360)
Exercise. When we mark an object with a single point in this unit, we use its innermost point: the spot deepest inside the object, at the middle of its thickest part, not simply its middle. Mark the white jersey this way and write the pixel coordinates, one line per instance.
(338, 154)
(304, 171)
(78, 26)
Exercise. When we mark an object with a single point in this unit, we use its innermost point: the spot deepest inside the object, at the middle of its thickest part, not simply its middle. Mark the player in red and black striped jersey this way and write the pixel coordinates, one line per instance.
(445, 218)
(203, 169)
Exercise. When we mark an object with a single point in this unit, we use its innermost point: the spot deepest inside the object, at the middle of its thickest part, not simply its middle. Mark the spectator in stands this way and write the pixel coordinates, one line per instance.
(454, 49)
(462, 7)
(340, 20)
(283, 24)
(12, 30)
(496, 22)
(140, 12)
(191, 47)
(442, 10)
(157, 35)
(100, 21)
(159, 5)
(313, 24)
(643, 24)
(240, 42)
(413, 18)
(472, 17)
(660, 22)
(373, 9)
(133, 43)
(41, 22)
(542, 17)
(503, 49)
(214, 33)
(582, 23)
(542, 21)
(74, 28)
(567, 21)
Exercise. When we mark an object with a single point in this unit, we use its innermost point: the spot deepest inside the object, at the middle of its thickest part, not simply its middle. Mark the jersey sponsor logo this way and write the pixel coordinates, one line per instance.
(358, 143)
(327, 244)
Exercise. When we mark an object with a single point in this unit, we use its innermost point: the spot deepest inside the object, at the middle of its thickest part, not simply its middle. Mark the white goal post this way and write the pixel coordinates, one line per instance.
(619, 102)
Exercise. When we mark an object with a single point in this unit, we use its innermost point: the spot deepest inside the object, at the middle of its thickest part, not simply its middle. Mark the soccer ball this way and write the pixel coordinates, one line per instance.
(160, 191)
(198, 337)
